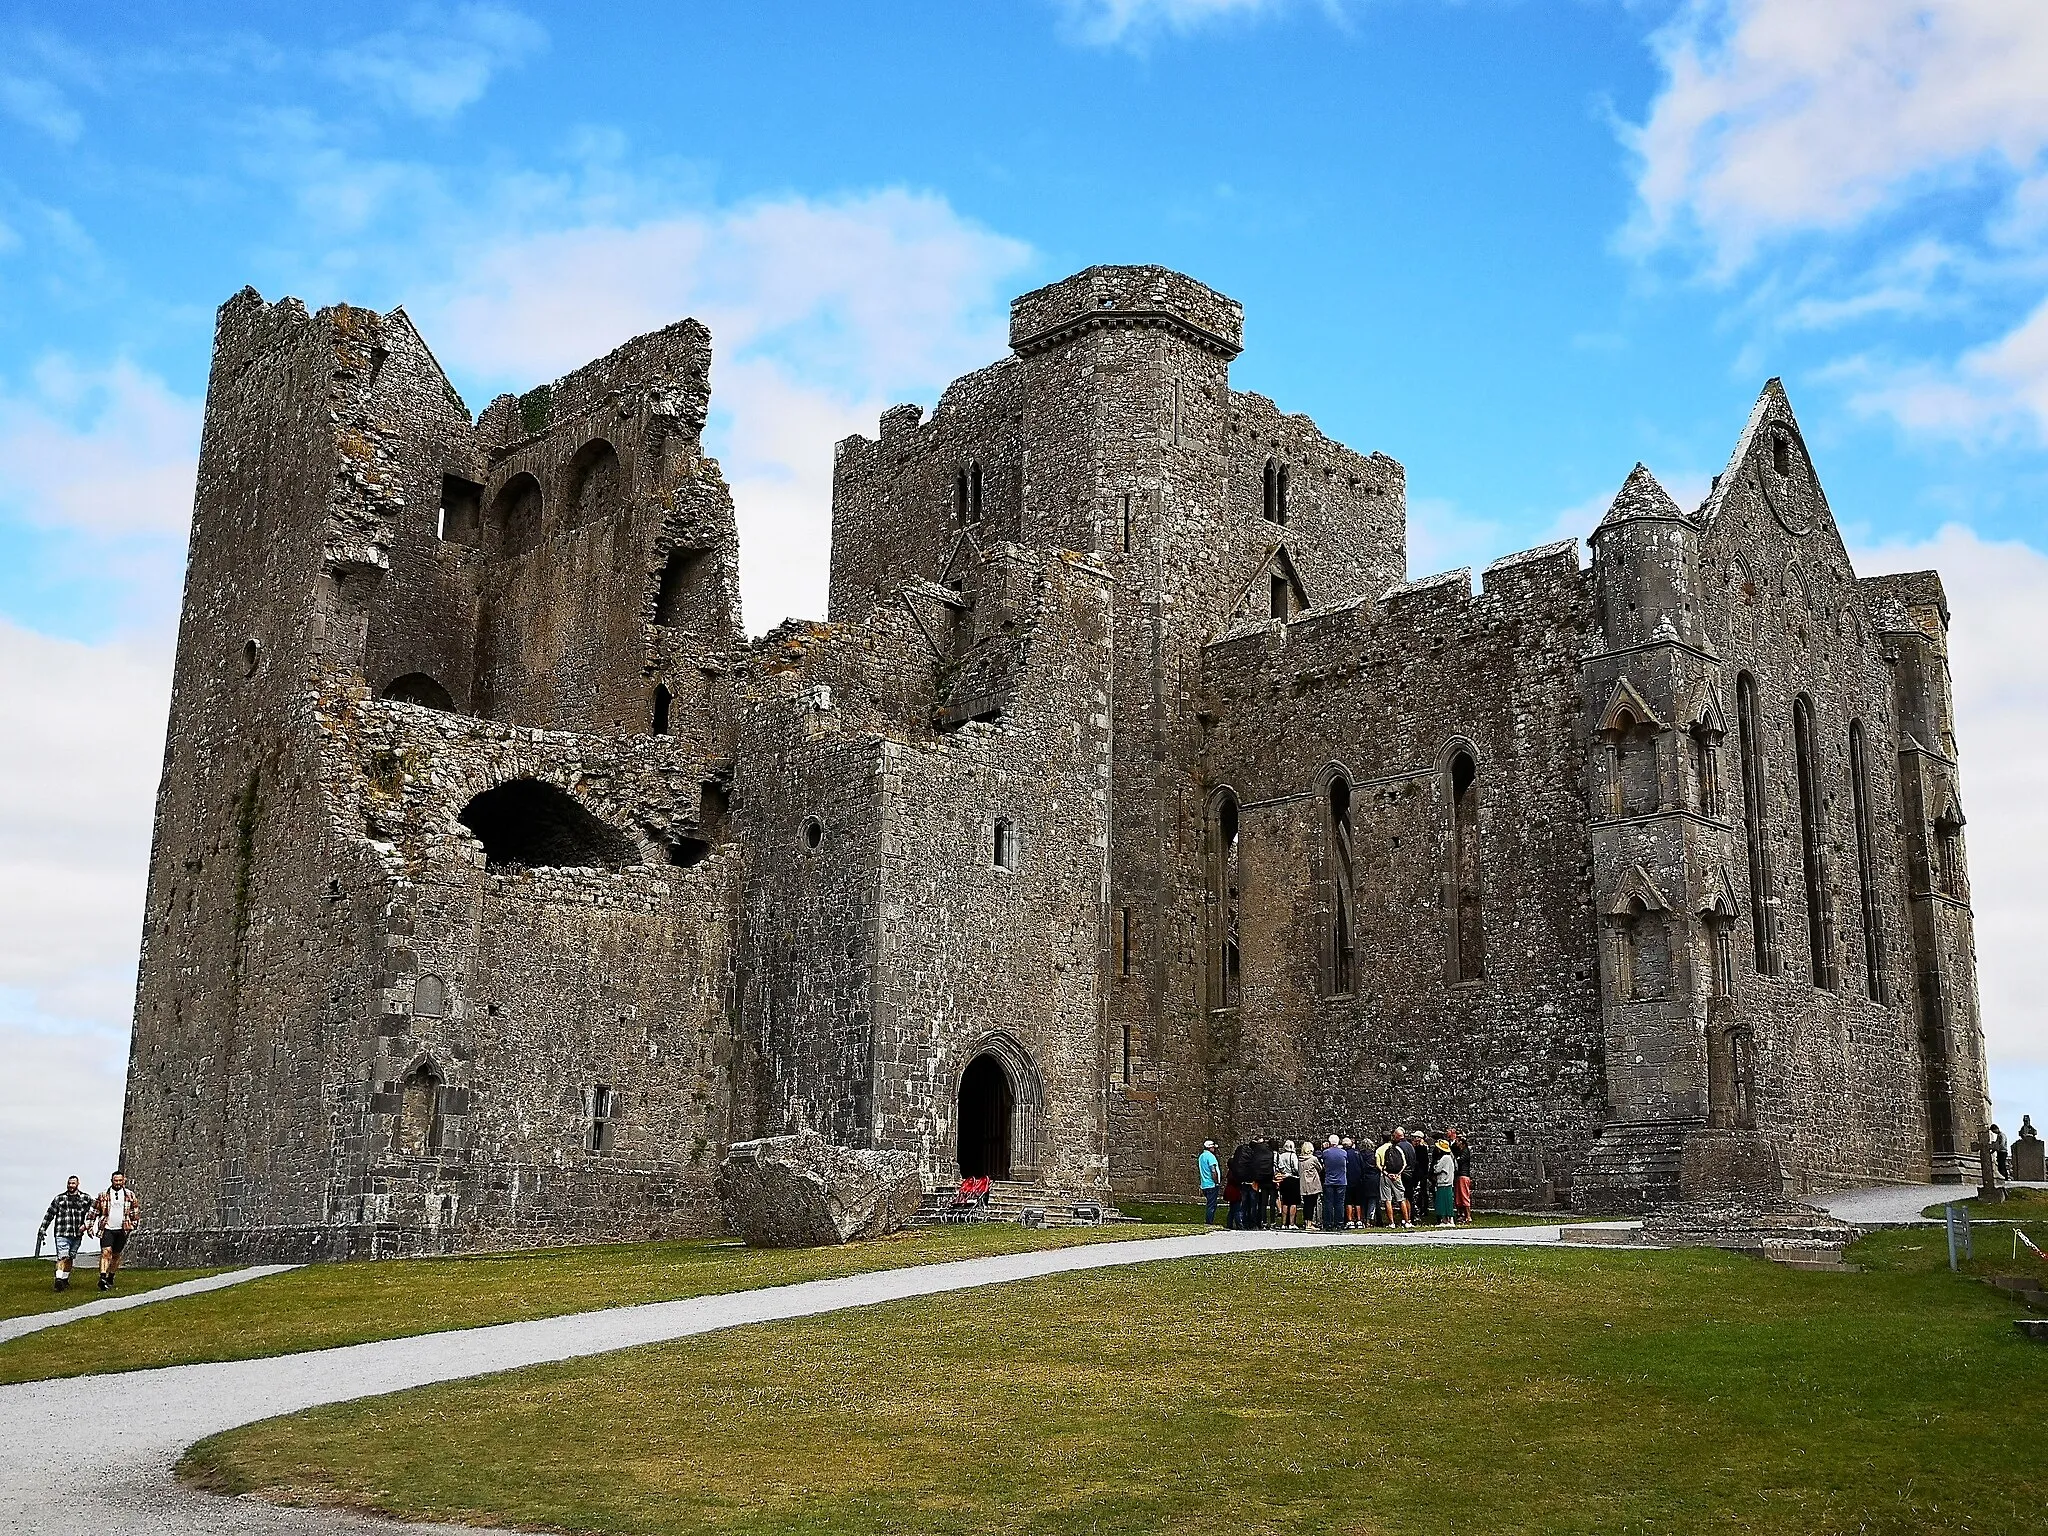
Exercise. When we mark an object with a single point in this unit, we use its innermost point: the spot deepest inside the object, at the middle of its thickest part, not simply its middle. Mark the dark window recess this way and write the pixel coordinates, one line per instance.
(662, 699)
(714, 811)
(1343, 941)
(252, 656)
(1763, 896)
(1005, 849)
(1875, 987)
(1468, 933)
(1283, 595)
(683, 582)
(1226, 889)
(688, 852)
(462, 510)
(531, 825)
(814, 832)
(1820, 903)
(600, 1105)
(974, 492)
(1781, 453)
(515, 522)
(418, 688)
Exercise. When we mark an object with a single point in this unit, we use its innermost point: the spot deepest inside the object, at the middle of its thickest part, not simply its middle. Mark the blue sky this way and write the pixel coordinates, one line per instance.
(1516, 245)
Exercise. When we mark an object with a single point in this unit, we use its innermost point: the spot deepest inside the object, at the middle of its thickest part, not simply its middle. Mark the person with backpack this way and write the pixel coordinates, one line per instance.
(1415, 1176)
(68, 1219)
(1392, 1162)
(1263, 1161)
(1244, 1199)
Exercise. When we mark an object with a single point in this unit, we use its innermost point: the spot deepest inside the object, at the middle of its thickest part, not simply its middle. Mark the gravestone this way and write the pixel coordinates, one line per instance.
(2027, 1161)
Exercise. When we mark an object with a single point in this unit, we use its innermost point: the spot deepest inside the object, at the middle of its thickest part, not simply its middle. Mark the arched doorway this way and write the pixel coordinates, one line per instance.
(988, 1105)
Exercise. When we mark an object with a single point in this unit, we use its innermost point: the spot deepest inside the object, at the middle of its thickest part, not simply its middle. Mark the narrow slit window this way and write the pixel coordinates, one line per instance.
(1875, 987)
(662, 700)
(1468, 935)
(1763, 899)
(1005, 844)
(1813, 848)
(1343, 937)
(600, 1105)
(1226, 885)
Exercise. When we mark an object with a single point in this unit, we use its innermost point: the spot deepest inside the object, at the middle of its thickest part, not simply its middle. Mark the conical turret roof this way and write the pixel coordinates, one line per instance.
(1641, 497)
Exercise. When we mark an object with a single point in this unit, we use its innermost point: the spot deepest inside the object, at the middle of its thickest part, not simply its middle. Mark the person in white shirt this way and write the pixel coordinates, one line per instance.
(117, 1213)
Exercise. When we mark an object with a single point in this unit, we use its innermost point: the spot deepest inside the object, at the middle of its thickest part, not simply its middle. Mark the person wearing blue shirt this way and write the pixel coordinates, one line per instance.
(1212, 1180)
(1336, 1174)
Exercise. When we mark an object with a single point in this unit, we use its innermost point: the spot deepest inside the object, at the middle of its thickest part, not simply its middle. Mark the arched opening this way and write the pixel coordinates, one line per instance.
(1004, 843)
(418, 688)
(419, 1113)
(1226, 890)
(1703, 747)
(1270, 505)
(514, 522)
(683, 580)
(1781, 453)
(1820, 906)
(530, 825)
(659, 715)
(1343, 935)
(1875, 987)
(1763, 899)
(988, 1108)
(1468, 934)
(595, 483)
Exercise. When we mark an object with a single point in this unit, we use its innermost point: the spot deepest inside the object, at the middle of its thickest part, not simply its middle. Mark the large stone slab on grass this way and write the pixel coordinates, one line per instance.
(802, 1191)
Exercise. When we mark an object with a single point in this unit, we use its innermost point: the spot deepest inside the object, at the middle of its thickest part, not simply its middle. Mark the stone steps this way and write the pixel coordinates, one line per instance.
(1633, 1164)
(1009, 1201)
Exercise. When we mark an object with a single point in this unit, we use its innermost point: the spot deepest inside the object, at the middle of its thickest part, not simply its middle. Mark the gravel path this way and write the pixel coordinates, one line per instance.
(1894, 1204)
(15, 1327)
(94, 1453)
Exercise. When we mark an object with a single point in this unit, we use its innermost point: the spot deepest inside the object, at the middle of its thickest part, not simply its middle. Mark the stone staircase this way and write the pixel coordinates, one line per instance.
(1632, 1166)
(1008, 1200)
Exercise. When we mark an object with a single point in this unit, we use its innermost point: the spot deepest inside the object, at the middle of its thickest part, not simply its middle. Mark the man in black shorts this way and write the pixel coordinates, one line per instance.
(117, 1213)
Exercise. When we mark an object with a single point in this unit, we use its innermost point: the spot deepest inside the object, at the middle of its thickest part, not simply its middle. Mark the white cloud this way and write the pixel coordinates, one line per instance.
(107, 451)
(822, 311)
(1998, 592)
(1105, 22)
(76, 795)
(441, 61)
(1778, 118)
(41, 106)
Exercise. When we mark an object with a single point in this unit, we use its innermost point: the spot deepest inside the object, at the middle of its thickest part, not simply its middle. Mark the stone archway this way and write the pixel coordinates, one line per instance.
(998, 1109)
(988, 1107)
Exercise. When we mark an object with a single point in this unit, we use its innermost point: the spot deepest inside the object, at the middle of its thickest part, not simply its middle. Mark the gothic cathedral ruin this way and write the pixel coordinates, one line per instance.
(1129, 794)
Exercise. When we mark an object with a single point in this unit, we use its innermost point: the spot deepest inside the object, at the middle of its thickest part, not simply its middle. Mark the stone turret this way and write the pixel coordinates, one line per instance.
(1646, 557)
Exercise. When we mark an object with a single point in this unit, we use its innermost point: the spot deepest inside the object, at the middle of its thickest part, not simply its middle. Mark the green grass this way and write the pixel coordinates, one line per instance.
(25, 1283)
(1316, 1392)
(2021, 1205)
(323, 1305)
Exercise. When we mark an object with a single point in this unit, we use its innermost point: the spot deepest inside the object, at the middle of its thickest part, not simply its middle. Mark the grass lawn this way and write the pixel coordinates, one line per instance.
(1326, 1393)
(323, 1305)
(25, 1283)
(2022, 1205)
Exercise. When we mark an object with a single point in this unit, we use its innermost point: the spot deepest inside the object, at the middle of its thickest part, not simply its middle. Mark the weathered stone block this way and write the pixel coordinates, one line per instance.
(1716, 1162)
(800, 1191)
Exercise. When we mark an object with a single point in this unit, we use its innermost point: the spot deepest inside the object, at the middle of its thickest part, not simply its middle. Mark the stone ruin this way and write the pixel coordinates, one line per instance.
(800, 1191)
(1131, 791)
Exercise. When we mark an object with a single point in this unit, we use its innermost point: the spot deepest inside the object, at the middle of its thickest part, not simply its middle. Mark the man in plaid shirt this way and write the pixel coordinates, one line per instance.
(116, 1213)
(69, 1217)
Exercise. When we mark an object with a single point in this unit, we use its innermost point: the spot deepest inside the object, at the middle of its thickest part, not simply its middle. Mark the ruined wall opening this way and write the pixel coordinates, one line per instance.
(1820, 925)
(516, 518)
(418, 688)
(1343, 931)
(460, 520)
(430, 998)
(596, 483)
(1226, 890)
(1003, 845)
(418, 1131)
(684, 578)
(1635, 767)
(1468, 933)
(526, 824)
(1781, 453)
(1875, 986)
(988, 1106)
(1763, 899)
(600, 1106)
(658, 715)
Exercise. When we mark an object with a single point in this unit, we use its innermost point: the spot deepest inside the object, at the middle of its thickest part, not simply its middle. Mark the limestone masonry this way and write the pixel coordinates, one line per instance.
(1130, 794)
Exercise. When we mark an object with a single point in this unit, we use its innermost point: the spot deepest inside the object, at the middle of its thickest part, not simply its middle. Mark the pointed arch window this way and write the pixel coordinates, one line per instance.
(1467, 927)
(1343, 929)
(418, 1132)
(1274, 508)
(1763, 896)
(1875, 986)
(1820, 915)
(1703, 750)
(1226, 886)
(663, 699)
